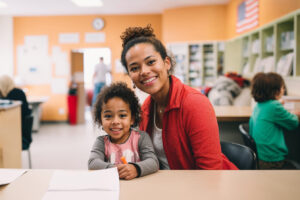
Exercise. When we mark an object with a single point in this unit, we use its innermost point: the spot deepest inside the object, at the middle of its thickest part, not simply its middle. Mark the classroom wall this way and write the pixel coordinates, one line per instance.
(269, 10)
(55, 109)
(6, 45)
(197, 23)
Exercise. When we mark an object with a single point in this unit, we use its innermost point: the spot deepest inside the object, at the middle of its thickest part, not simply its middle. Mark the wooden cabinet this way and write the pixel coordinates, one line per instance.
(10, 136)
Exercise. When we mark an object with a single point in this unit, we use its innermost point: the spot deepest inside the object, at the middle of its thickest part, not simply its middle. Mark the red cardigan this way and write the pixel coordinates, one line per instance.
(190, 131)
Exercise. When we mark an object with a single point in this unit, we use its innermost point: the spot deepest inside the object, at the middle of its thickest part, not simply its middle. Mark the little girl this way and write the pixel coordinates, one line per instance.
(268, 120)
(117, 110)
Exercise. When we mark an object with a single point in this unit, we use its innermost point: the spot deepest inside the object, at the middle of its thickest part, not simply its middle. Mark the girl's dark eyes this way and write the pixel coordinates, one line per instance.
(107, 116)
(123, 115)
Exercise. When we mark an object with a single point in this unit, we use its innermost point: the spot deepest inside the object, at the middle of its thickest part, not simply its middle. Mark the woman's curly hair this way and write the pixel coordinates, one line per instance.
(121, 91)
(136, 35)
(266, 86)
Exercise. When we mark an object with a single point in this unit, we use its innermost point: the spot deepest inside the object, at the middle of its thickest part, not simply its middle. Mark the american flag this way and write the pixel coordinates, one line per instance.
(247, 15)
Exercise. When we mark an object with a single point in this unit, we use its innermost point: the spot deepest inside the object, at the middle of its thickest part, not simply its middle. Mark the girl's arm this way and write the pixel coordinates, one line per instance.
(284, 118)
(149, 162)
(97, 156)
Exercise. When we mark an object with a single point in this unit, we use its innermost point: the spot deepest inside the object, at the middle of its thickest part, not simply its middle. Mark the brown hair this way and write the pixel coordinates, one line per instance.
(120, 90)
(266, 86)
(136, 35)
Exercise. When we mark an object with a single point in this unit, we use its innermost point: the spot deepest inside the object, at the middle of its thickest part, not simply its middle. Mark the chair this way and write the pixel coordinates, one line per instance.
(249, 142)
(243, 157)
(26, 136)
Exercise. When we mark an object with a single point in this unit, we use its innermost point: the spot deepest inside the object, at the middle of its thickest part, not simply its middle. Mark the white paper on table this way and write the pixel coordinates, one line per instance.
(77, 185)
(106, 179)
(79, 195)
(9, 175)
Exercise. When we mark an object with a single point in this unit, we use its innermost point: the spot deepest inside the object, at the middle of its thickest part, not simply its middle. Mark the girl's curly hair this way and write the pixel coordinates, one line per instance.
(121, 91)
(136, 35)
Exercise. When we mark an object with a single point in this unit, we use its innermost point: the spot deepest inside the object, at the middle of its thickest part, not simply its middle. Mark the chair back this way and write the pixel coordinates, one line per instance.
(26, 132)
(248, 140)
(243, 157)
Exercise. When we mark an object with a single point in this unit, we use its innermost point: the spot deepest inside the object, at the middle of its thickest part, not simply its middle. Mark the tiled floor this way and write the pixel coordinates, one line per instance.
(62, 146)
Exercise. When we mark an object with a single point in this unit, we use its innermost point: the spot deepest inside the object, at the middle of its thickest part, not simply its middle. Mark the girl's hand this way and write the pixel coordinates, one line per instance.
(127, 171)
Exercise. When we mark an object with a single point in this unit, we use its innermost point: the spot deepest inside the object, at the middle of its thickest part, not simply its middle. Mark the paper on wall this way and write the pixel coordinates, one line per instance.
(59, 86)
(33, 61)
(60, 61)
(94, 37)
(68, 38)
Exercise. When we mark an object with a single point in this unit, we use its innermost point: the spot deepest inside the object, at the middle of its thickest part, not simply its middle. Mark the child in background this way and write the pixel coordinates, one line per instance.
(269, 119)
(117, 110)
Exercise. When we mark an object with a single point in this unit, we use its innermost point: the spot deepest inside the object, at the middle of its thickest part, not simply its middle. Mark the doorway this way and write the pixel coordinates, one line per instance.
(90, 59)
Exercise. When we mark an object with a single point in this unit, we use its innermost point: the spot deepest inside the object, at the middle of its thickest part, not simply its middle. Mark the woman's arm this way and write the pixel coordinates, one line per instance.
(97, 156)
(201, 127)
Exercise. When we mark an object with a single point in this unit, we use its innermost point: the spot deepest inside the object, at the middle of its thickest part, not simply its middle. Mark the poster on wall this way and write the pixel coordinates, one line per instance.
(60, 61)
(247, 15)
(68, 38)
(94, 37)
(33, 62)
(59, 86)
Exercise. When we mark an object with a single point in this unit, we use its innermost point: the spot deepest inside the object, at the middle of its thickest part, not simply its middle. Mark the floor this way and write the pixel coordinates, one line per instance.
(64, 146)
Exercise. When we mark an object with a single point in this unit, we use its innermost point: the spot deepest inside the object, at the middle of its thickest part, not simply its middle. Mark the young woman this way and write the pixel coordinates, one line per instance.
(179, 119)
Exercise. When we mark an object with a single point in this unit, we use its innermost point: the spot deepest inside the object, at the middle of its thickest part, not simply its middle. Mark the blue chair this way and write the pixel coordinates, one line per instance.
(243, 157)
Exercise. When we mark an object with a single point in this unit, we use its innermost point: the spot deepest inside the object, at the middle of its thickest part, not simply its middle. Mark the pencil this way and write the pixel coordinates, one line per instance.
(123, 160)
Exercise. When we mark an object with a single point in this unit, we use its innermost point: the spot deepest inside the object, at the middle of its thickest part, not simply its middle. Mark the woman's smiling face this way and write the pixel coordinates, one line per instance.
(147, 69)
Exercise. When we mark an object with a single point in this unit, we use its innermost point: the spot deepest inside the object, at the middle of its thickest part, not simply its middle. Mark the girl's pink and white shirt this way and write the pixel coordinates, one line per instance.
(129, 149)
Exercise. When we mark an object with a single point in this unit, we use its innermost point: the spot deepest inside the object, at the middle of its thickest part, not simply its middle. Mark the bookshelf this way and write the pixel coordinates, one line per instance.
(198, 63)
(272, 47)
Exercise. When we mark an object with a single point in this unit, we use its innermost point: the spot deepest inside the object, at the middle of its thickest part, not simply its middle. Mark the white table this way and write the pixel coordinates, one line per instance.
(35, 105)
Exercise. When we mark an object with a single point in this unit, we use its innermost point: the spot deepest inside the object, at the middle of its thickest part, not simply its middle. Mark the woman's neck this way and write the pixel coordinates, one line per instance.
(161, 97)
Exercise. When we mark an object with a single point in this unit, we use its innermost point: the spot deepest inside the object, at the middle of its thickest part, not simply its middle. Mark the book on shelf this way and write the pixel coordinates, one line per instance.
(285, 64)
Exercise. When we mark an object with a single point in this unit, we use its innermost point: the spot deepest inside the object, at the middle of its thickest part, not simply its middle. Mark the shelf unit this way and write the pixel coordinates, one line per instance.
(272, 47)
(198, 63)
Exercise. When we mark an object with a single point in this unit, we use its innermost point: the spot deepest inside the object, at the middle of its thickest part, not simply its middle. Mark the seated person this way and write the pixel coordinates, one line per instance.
(9, 91)
(269, 119)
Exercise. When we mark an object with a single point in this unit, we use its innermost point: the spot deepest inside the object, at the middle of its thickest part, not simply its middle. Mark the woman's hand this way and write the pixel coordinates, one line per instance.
(127, 171)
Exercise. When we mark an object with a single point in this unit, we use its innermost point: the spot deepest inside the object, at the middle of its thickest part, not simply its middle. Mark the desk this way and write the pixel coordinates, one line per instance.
(179, 184)
(34, 103)
(233, 113)
(10, 135)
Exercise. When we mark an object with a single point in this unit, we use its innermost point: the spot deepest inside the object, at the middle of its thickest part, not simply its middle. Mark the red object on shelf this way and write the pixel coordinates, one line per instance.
(72, 108)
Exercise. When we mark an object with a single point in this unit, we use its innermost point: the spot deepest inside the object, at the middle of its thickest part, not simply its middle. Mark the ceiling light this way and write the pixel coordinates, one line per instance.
(3, 4)
(88, 3)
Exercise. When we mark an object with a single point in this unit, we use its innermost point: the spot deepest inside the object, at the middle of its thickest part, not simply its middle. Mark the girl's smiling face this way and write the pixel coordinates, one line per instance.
(116, 119)
(147, 69)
